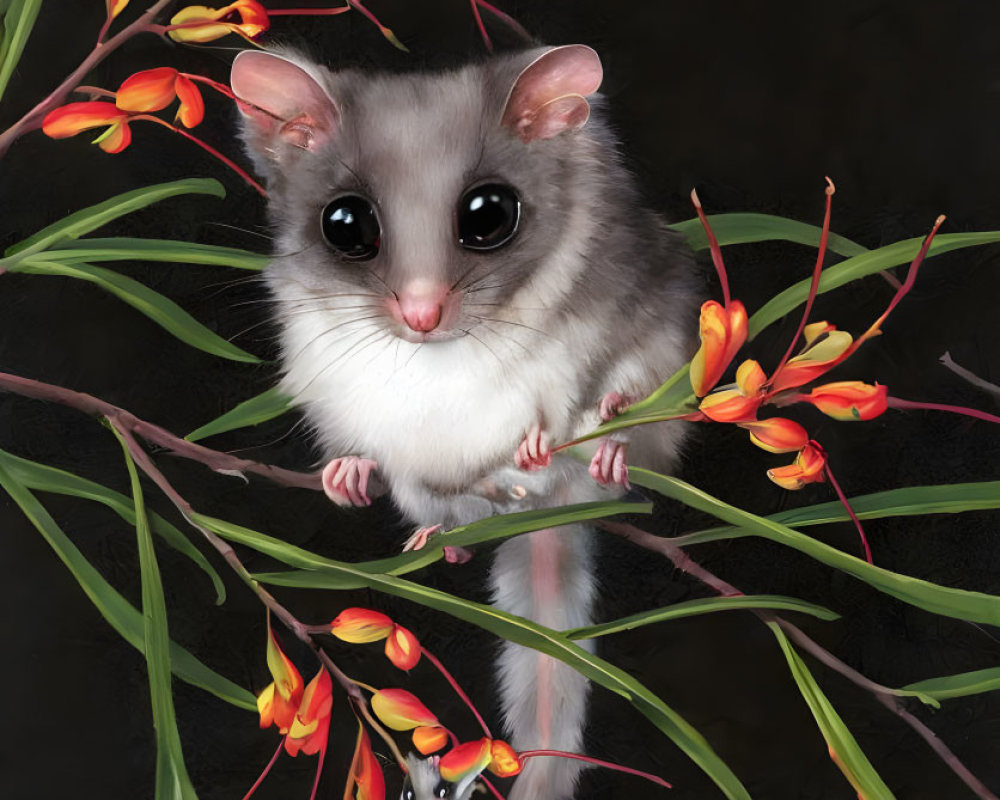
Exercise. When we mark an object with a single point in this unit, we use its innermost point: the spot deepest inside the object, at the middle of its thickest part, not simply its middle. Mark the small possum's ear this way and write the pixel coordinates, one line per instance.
(281, 104)
(548, 96)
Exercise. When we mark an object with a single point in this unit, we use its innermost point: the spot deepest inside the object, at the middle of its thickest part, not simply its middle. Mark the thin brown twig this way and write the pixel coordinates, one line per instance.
(885, 695)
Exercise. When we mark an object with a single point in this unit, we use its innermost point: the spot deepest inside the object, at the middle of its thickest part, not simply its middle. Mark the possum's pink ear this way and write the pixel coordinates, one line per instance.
(280, 100)
(549, 96)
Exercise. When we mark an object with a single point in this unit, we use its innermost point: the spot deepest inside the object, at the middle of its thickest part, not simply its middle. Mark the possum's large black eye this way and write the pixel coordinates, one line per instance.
(488, 216)
(351, 227)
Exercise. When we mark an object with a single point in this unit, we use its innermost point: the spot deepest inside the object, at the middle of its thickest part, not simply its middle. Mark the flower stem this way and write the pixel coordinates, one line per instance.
(458, 689)
(713, 245)
(480, 26)
(896, 402)
(597, 762)
(817, 271)
(267, 769)
(850, 511)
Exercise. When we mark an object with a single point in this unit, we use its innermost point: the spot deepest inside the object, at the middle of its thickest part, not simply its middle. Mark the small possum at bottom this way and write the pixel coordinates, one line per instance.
(464, 277)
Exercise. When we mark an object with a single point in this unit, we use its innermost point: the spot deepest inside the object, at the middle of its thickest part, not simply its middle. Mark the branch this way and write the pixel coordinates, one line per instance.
(215, 460)
(885, 695)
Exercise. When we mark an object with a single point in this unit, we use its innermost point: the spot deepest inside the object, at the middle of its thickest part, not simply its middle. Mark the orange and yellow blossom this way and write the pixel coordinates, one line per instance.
(203, 24)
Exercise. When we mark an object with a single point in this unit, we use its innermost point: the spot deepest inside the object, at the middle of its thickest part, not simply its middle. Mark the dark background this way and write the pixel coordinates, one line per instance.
(752, 103)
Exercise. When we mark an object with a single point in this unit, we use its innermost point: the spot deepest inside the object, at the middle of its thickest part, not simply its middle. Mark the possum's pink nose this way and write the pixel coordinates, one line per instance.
(421, 314)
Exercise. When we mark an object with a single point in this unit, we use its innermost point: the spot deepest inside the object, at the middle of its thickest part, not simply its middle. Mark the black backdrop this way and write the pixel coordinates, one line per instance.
(753, 103)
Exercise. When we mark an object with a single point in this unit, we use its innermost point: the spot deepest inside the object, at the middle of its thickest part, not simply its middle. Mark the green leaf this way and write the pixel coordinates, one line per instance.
(120, 248)
(172, 780)
(163, 311)
(480, 532)
(18, 20)
(858, 267)
(258, 409)
(120, 614)
(849, 757)
(745, 228)
(93, 217)
(42, 478)
(909, 502)
(509, 627)
(960, 685)
(972, 606)
(705, 605)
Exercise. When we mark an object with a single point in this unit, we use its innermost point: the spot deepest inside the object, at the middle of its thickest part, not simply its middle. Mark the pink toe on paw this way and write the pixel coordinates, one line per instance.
(457, 555)
(609, 465)
(534, 451)
(345, 480)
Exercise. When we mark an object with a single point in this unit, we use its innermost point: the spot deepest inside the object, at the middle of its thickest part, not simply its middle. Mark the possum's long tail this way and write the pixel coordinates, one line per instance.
(547, 577)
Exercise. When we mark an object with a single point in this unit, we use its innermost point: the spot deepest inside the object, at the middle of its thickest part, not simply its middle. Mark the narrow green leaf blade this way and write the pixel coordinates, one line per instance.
(912, 501)
(261, 408)
(121, 248)
(845, 751)
(960, 685)
(162, 310)
(510, 627)
(43, 478)
(120, 614)
(745, 228)
(18, 22)
(172, 780)
(858, 267)
(84, 221)
(959, 603)
(705, 605)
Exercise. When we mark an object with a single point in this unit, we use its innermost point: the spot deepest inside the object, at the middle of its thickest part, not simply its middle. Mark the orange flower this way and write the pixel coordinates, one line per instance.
(252, 15)
(429, 738)
(777, 434)
(401, 710)
(361, 625)
(368, 775)
(402, 648)
(311, 727)
(155, 89)
(739, 404)
(825, 348)
(466, 760)
(850, 400)
(74, 118)
(807, 468)
(279, 702)
(723, 331)
(505, 762)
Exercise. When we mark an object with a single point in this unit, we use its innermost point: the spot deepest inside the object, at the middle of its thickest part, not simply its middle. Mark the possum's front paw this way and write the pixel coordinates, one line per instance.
(345, 480)
(535, 450)
(608, 464)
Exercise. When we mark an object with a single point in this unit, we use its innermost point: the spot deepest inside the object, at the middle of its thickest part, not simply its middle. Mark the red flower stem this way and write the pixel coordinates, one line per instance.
(94, 91)
(817, 272)
(33, 119)
(597, 762)
(319, 767)
(713, 245)
(850, 511)
(221, 88)
(458, 689)
(480, 26)
(491, 787)
(911, 273)
(104, 29)
(307, 12)
(356, 5)
(512, 23)
(896, 402)
(208, 149)
(267, 769)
